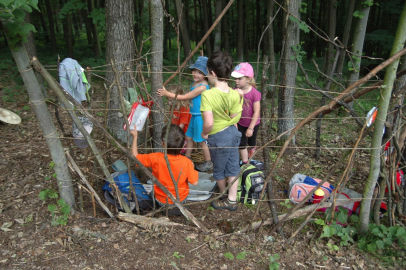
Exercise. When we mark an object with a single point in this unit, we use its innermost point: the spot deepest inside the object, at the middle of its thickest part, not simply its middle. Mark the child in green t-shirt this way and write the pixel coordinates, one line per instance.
(221, 109)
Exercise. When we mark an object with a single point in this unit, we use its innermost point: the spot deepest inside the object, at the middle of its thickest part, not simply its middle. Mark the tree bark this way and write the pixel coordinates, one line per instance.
(346, 36)
(120, 50)
(96, 40)
(217, 31)
(240, 31)
(384, 99)
(271, 47)
(156, 18)
(51, 25)
(51, 136)
(358, 43)
(288, 71)
(332, 22)
(205, 19)
(183, 27)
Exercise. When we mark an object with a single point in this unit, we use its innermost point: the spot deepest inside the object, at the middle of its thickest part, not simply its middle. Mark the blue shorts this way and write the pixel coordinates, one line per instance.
(195, 128)
(224, 152)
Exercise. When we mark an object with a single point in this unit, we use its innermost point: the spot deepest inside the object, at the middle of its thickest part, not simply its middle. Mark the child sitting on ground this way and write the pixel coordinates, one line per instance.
(181, 167)
(193, 134)
(221, 108)
(251, 109)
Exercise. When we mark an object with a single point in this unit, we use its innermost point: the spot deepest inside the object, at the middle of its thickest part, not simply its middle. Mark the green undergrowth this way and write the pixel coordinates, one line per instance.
(388, 244)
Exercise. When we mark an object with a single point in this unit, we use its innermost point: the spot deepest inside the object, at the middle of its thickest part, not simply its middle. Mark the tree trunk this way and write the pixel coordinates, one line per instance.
(205, 19)
(217, 33)
(346, 36)
(271, 47)
(37, 101)
(88, 26)
(332, 22)
(240, 31)
(288, 71)
(156, 68)
(183, 27)
(120, 50)
(96, 40)
(358, 43)
(51, 25)
(68, 35)
(384, 98)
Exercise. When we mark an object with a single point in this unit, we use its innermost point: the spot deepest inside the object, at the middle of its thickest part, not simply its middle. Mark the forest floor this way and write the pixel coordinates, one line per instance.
(88, 241)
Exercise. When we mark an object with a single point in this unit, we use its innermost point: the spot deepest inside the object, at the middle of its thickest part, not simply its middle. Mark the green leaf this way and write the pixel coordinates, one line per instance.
(177, 255)
(358, 14)
(229, 255)
(52, 208)
(320, 221)
(241, 256)
(43, 195)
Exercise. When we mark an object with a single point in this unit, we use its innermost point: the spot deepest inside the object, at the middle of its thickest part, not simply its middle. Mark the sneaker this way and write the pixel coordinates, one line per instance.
(224, 204)
(205, 166)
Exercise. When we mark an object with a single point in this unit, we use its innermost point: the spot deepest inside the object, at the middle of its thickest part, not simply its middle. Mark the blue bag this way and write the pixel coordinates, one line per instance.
(122, 181)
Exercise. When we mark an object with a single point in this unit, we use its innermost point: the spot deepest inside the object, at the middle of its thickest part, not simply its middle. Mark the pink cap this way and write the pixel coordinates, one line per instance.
(243, 69)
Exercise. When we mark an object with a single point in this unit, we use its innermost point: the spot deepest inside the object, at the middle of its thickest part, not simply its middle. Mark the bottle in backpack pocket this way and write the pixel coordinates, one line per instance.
(318, 195)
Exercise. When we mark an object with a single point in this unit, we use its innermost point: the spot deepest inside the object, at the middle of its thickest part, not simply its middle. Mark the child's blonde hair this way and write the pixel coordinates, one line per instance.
(251, 81)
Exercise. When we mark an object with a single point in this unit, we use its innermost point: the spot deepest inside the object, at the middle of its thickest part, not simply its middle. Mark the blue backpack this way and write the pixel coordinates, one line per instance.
(122, 181)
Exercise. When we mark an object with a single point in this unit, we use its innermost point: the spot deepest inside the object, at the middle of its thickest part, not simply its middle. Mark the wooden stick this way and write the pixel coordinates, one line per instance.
(147, 222)
(88, 185)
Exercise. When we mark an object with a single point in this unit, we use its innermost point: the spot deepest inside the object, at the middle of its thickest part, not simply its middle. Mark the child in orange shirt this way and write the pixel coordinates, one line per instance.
(181, 166)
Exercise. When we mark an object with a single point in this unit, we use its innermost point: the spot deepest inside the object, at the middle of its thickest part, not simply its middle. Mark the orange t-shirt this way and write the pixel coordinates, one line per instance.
(181, 116)
(182, 169)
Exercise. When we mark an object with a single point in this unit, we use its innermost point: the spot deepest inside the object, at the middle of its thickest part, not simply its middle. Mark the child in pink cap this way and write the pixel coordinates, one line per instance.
(251, 109)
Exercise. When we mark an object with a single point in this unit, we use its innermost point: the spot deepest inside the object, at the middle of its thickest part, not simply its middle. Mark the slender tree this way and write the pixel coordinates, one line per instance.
(51, 27)
(384, 99)
(217, 33)
(346, 35)
(119, 50)
(156, 68)
(240, 30)
(358, 39)
(183, 27)
(16, 37)
(288, 69)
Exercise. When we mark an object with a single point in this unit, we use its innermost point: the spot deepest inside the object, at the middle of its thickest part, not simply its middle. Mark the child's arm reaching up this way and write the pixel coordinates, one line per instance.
(134, 148)
(197, 91)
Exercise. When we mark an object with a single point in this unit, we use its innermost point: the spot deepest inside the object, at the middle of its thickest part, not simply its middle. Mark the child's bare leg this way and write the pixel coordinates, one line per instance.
(221, 185)
(244, 155)
(232, 191)
(206, 152)
(189, 146)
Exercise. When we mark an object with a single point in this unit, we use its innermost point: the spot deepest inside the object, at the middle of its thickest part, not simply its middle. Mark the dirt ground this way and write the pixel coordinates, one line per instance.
(88, 241)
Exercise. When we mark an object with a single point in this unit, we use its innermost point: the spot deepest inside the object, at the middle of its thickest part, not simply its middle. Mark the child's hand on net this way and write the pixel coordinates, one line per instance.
(162, 92)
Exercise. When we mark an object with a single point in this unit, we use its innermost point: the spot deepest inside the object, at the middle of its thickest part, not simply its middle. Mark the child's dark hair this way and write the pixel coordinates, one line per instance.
(222, 64)
(176, 139)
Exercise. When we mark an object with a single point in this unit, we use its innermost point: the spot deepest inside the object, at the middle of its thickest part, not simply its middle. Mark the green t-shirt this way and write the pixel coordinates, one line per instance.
(222, 105)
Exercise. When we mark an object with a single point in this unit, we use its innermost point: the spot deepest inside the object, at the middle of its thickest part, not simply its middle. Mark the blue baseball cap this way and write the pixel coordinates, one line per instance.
(200, 64)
